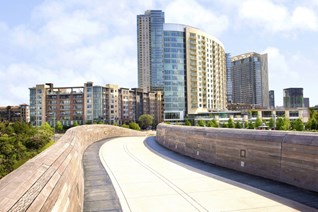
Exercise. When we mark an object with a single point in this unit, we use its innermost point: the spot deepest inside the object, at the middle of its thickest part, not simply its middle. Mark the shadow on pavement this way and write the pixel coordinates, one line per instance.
(240, 179)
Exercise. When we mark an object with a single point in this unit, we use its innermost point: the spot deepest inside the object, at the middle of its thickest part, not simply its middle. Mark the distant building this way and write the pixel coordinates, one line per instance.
(92, 104)
(242, 107)
(271, 99)
(306, 102)
(229, 82)
(252, 114)
(293, 98)
(150, 50)
(250, 79)
(15, 113)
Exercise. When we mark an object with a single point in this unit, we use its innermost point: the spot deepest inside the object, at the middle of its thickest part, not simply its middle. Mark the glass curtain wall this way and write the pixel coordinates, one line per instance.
(174, 72)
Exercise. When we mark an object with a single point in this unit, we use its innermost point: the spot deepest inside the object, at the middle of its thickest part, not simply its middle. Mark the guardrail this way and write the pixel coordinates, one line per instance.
(54, 180)
(288, 157)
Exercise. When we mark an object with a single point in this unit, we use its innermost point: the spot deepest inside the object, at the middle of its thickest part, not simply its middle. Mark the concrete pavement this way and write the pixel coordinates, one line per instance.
(148, 181)
(99, 193)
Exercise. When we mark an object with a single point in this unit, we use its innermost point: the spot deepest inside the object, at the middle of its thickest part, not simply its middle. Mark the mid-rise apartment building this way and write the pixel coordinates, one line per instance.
(91, 103)
(250, 79)
(15, 113)
(206, 72)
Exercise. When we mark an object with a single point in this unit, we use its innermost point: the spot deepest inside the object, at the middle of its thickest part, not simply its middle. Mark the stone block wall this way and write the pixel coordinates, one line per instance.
(54, 179)
(288, 157)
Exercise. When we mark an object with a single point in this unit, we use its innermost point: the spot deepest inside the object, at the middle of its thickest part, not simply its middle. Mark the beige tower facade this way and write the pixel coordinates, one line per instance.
(112, 100)
(143, 36)
(38, 104)
(206, 72)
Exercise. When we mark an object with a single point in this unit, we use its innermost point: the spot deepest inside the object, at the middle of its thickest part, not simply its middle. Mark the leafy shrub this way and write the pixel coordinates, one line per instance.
(134, 126)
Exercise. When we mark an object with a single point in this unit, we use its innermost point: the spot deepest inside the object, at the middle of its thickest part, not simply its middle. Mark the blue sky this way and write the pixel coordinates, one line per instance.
(70, 42)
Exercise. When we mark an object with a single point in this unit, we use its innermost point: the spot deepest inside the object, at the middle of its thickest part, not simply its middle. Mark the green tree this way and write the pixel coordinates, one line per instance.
(230, 123)
(298, 125)
(20, 141)
(271, 123)
(212, 123)
(209, 123)
(238, 125)
(46, 127)
(282, 123)
(134, 126)
(250, 125)
(279, 123)
(6, 146)
(20, 127)
(75, 124)
(145, 121)
(312, 124)
(258, 122)
(59, 126)
(215, 123)
(245, 124)
(187, 122)
(201, 123)
(2, 128)
(225, 125)
(286, 125)
(9, 130)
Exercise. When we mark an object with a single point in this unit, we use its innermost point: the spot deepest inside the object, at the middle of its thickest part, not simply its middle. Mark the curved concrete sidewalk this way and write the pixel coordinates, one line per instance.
(145, 181)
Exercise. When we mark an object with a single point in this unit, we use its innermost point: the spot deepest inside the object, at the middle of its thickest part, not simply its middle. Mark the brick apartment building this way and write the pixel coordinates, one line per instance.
(92, 103)
(15, 113)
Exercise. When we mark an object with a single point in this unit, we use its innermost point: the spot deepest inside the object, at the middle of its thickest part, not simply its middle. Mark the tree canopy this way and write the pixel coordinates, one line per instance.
(201, 123)
(230, 123)
(145, 121)
(258, 122)
(297, 125)
(20, 141)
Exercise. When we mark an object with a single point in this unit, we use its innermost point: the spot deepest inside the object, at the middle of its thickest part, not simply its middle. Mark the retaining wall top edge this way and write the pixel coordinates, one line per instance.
(248, 134)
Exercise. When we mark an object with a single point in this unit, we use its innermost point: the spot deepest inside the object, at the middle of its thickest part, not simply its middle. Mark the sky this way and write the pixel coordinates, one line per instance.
(70, 42)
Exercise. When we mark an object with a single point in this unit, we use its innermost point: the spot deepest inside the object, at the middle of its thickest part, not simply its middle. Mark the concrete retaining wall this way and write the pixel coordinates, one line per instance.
(288, 157)
(53, 180)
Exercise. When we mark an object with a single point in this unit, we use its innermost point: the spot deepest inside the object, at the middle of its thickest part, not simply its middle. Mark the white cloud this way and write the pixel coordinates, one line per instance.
(290, 70)
(303, 17)
(3, 27)
(191, 13)
(71, 30)
(275, 17)
(68, 43)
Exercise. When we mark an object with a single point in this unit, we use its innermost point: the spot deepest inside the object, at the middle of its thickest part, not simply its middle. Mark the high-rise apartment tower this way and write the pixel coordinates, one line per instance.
(150, 50)
(250, 79)
(229, 82)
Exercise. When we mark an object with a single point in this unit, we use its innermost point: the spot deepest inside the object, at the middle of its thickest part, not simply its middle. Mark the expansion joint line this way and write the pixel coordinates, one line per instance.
(111, 174)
